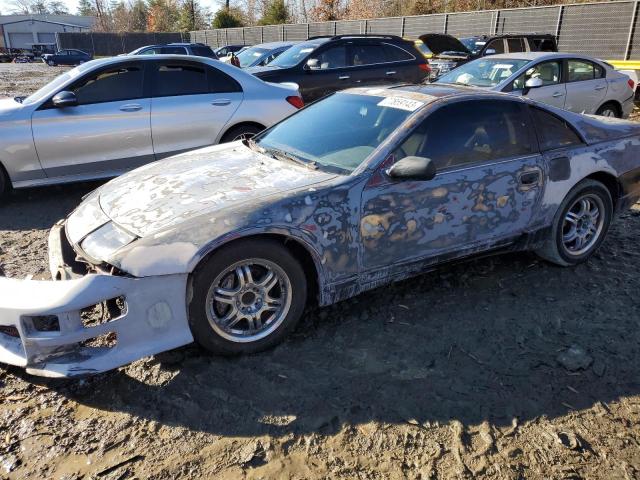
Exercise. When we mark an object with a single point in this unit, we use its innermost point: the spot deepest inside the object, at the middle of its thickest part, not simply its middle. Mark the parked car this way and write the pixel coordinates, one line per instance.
(112, 115)
(323, 65)
(67, 56)
(262, 54)
(197, 49)
(447, 52)
(226, 244)
(227, 49)
(574, 82)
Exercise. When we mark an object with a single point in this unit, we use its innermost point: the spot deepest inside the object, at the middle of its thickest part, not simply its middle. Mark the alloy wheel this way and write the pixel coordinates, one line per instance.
(583, 224)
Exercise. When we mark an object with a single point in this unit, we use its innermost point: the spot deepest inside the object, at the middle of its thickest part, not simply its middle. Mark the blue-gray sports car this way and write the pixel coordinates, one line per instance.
(227, 244)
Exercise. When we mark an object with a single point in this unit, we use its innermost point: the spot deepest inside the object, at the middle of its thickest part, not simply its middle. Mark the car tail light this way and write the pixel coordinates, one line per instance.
(632, 84)
(424, 67)
(296, 101)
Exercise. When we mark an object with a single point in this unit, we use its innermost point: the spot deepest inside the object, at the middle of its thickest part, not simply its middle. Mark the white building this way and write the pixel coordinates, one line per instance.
(22, 31)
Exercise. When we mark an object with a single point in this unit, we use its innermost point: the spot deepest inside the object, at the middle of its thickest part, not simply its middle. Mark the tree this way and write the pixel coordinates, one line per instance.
(163, 16)
(276, 13)
(227, 18)
(85, 7)
(39, 7)
(192, 16)
(327, 10)
(139, 13)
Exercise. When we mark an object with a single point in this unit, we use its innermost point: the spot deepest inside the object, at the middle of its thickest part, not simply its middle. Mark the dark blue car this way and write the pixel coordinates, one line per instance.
(67, 56)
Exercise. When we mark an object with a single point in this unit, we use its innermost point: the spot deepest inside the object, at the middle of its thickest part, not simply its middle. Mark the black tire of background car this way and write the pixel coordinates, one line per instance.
(610, 105)
(235, 132)
(51, 63)
(210, 268)
(5, 184)
(553, 249)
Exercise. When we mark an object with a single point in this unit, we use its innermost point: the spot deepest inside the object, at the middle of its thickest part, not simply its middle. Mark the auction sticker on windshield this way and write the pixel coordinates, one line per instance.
(401, 103)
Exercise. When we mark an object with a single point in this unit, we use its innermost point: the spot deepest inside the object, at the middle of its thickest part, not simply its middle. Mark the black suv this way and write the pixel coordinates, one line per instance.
(198, 49)
(447, 52)
(322, 65)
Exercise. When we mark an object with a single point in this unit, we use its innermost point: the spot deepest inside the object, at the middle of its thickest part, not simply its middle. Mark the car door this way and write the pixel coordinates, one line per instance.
(401, 65)
(586, 86)
(329, 74)
(553, 90)
(191, 104)
(108, 131)
(368, 64)
(485, 192)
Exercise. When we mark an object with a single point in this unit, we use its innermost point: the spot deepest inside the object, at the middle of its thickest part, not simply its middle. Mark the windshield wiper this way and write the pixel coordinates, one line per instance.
(282, 155)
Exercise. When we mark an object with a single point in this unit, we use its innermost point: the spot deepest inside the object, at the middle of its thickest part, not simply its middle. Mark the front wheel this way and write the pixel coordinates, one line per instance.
(246, 297)
(580, 224)
(51, 63)
(240, 132)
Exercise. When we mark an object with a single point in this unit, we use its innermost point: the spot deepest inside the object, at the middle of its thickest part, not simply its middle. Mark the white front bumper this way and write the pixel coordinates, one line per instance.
(155, 320)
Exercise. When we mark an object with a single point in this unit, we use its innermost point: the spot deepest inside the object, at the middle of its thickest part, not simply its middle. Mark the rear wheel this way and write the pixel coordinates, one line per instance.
(609, 109)
(580, 224)
(51, 63)
(5, 184)
(240, 133)
(246, 297)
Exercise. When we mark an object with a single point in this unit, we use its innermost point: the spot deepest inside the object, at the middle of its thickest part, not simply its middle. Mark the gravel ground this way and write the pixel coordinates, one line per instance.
(504, 368)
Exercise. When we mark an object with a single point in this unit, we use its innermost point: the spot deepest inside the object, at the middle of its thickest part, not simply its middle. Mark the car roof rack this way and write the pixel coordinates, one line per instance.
(357, 35)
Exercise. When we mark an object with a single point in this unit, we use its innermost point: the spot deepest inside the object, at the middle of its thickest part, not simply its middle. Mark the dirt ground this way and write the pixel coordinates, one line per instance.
(503, 368)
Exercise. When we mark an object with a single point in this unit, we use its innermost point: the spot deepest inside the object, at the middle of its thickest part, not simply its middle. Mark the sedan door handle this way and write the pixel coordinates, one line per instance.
(131, 107)
(557, 94)
(221, 103)
(528, 179)
(601, 87)
(344, 77)
(392, 72)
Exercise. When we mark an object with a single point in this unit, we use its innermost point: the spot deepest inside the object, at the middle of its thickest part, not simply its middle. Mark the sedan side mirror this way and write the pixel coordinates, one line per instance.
(64, 99)
(413, 168)
(490, 51)
(312, 64)
(534, 82)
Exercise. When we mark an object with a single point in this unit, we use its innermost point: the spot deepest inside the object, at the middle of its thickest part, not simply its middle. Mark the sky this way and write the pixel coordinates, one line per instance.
(6, 6)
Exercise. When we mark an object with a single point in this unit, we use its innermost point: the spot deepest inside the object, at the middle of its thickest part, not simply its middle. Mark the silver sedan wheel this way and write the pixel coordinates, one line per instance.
(243, 136)
(248, 300)
(583, 224)
(608, 112)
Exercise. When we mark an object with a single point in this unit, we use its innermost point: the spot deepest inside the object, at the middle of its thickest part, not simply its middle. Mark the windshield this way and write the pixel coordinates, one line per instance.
(247, 57)
(339, 132)
(473, 44)
(483, 72)
(294, 55)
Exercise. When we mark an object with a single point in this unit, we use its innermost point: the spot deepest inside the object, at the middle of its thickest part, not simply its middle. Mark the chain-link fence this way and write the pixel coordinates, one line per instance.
(109, 44)
(606, 30)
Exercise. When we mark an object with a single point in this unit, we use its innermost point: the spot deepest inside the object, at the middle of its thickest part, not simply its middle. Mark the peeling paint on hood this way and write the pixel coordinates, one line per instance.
(165, 193)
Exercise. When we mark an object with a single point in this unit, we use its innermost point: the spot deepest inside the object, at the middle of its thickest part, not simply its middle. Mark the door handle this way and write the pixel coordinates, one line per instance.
(344, 77)
(131, 107)
(529, 179)
(557, 94)
(601, 87)
(221, 103)
(392, 72)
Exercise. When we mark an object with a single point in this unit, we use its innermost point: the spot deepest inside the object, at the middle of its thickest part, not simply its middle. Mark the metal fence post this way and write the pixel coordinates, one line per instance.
(404, 19)
(308, 31)
(335, 28)
(632, 27)
(496, 24)
(446, 23)
(559, 24)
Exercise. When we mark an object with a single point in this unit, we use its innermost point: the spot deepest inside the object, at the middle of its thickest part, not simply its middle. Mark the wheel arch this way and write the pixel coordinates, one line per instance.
(307, 256)
(613, 102)
(238, 124)
(4, 174)
(611, 182)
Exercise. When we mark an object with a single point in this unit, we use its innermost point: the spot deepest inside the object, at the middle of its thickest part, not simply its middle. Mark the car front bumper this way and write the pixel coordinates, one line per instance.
(43, 330)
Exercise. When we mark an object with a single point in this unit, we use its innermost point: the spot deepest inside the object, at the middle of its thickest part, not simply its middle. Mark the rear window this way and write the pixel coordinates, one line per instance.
(202, 51)
(220, 82)
(397, 54)
(173, 79)
(553, 132)
(541, 45)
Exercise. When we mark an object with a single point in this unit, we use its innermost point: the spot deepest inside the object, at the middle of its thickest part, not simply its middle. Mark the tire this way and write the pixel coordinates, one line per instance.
(51, 63)
(239, 132)
(218, 278)
(559, 248)
(5, 184)
(609, 109)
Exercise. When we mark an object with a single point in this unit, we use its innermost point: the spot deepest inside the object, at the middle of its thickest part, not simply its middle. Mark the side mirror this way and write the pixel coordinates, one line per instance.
(413, 168)
(312, 64)
(490, 51)
(64, 99)
(534, 82)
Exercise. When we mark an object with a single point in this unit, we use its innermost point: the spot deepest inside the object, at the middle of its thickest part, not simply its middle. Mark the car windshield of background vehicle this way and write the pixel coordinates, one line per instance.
(339, 132)
(250, 55)
(483, 72)
(294, 55)
(473, 44)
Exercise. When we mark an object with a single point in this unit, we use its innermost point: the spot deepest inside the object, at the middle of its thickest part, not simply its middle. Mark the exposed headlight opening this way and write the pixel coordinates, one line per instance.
(109, 238)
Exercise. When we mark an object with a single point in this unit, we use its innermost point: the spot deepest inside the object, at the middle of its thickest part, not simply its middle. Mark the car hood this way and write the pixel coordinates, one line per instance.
(439, 43)
(166, 193)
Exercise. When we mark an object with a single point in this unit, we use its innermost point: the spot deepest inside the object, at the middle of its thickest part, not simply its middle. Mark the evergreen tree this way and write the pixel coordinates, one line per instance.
(86, 7)
(226, 18)
(276, 13)
(139, 13)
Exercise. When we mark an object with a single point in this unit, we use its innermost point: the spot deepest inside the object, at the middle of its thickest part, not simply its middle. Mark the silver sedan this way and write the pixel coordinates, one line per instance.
(573, 82)
(112, 115)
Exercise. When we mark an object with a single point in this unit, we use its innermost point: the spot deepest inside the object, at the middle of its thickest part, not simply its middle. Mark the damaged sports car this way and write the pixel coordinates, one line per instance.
(227, 245)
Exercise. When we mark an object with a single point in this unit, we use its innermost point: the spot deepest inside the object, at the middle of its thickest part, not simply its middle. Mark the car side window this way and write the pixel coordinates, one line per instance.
(600, 72)
(553, 132)
(124, 82)
(173, 79)
(497, 45)
(468, 132)
(580, 70)
(515, 45)
(548, 72)
(334, 57)
(541, 45)
(174, 50)
(220, 82)
(396, 54)
(365, 55)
